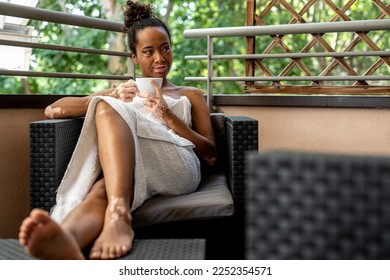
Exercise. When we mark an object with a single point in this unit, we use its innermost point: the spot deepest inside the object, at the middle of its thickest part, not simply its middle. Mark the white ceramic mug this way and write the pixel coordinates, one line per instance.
(144, 85)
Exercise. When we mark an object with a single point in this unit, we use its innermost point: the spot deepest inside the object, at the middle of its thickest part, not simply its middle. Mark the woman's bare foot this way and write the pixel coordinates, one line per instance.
(43, 238)
(117, 236)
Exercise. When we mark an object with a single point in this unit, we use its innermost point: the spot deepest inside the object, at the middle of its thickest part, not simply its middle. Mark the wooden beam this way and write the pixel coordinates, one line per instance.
(327, 90)
(250, 41)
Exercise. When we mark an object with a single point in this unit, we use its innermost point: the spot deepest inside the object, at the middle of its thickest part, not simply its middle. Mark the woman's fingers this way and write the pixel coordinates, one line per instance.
(157, 90)
(127, 91)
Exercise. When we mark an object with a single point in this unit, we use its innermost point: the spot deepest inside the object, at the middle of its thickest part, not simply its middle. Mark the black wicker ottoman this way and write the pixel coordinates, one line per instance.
(143, 249)
(318, 206)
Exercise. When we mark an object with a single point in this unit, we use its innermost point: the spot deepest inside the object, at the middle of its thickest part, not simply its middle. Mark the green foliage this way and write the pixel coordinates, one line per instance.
(185, 14)
(321, 11)
(56, 61)
(203, 14)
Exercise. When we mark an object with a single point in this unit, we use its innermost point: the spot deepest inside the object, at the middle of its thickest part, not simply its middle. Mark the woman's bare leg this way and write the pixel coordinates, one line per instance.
(104, 214)
(85, 221)
(117, 158)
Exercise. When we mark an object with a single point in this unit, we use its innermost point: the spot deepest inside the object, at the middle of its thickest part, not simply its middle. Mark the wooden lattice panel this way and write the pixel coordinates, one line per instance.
(304, 12)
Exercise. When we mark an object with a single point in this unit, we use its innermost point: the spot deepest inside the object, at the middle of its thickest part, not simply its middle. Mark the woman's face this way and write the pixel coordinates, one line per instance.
(154, 54)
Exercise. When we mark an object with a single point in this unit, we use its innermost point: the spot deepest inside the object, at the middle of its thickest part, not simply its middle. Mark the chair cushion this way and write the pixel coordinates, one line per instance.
(212, 199)
(218, 124)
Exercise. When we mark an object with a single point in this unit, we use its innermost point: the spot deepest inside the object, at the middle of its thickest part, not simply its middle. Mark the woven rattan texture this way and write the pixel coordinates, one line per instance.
(10, 249)
(167, 249)
(317, 206)
(242, 137)
(51, 145)
(143, 249)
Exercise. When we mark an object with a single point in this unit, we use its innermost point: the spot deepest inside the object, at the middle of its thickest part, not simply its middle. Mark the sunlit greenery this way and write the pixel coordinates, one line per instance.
(182, 15)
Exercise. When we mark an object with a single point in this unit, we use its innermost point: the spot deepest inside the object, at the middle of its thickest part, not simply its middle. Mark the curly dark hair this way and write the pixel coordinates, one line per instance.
(138, 16)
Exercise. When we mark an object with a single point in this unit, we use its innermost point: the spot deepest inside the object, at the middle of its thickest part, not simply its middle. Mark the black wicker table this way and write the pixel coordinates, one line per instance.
(143, 249)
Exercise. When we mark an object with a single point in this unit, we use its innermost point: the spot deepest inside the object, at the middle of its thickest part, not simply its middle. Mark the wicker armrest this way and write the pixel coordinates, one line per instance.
(51, 146)
(242, 137)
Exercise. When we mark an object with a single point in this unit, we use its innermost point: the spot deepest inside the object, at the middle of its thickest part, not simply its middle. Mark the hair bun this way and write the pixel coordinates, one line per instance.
(138, 16)
(135, 12)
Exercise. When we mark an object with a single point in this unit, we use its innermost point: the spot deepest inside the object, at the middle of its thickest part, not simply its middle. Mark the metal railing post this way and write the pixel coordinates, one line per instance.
(210, 71)
(130, 64)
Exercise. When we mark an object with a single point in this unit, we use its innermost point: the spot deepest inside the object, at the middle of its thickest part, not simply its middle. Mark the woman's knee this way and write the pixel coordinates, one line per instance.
(103, 109)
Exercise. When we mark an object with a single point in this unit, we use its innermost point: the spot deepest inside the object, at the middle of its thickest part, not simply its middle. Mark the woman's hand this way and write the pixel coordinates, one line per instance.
(125, 91)
(156, 104)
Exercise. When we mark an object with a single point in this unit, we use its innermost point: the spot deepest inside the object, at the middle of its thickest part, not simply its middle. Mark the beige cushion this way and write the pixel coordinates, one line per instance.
(211, 200)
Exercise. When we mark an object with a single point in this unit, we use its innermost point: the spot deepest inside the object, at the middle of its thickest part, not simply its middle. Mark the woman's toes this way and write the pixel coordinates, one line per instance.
(112, 252)
(95, 254)
(105, 253)
(119, 251)
(125, 250)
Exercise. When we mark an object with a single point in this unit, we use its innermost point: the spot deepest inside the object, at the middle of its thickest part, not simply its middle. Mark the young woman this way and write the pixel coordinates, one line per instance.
(132, 146)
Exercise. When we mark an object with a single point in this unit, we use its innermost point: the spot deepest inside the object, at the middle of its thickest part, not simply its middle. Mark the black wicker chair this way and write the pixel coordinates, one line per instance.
(52, 143)
(318, 206)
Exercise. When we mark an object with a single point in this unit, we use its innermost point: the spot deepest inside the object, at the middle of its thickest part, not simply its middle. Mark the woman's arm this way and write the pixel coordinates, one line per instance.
(71, 107)
(201, 134)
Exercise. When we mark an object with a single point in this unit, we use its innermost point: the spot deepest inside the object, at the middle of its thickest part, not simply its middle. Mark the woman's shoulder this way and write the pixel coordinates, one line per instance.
(194, 94)
(190, 92)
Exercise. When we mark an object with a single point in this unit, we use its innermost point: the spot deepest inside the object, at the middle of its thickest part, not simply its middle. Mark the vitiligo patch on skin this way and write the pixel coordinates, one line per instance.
(52, 112)
(117, 208)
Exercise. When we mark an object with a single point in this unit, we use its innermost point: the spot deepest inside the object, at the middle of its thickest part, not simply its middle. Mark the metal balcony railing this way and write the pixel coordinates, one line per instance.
(314, 29)
(21, 11)
(278, 30)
